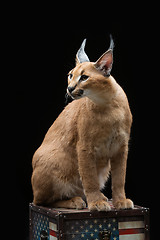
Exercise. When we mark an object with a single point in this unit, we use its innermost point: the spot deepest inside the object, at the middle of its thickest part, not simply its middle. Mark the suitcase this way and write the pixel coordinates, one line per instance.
(71, 224)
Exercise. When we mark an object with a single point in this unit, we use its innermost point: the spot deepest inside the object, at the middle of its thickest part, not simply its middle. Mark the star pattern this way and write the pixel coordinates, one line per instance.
(91, 229)
(40, 223)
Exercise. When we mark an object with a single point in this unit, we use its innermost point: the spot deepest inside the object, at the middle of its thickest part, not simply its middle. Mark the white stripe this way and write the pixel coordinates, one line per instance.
(78, 78)
(53, 226)
(132, 224)
(139, 236)
(52, 238)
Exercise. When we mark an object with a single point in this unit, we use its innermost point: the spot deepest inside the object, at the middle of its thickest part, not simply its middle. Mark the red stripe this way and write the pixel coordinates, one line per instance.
(131, 231)
(52, 233)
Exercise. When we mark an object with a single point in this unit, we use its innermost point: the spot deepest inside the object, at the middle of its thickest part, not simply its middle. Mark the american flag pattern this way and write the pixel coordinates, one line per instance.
(118, 229)
(89, 229)
(42, 223)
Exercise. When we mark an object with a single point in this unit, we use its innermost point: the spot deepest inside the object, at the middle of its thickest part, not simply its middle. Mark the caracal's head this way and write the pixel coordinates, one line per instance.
(90, 79)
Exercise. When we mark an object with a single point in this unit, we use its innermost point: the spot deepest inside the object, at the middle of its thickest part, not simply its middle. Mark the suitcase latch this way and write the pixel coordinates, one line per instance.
(44, 235)
(105, 235)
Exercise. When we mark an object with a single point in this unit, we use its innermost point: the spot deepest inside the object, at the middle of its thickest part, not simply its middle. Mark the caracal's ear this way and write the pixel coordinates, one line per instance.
(104, 63)
(81, 56)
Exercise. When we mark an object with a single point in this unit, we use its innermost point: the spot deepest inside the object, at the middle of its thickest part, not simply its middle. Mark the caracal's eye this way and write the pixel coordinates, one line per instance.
(83, 77)
(70, 76)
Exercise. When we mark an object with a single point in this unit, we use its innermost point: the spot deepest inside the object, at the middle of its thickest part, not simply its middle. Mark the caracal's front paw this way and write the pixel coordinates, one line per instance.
(77, 202)
(99, 205)
(123, 204)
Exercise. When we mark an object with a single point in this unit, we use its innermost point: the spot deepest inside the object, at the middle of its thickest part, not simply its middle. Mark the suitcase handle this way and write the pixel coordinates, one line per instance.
(105, 235)
(43, 235)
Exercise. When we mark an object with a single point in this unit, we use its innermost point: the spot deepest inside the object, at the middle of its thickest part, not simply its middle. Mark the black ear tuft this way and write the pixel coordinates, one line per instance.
(81, 56)
(111, 43)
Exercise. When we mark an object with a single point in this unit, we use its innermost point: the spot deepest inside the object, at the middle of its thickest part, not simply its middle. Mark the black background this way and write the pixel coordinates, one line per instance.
(43, 51)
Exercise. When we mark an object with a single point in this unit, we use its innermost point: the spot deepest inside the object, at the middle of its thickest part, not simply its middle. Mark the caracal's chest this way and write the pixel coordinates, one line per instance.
(110, 144)
(112, 136)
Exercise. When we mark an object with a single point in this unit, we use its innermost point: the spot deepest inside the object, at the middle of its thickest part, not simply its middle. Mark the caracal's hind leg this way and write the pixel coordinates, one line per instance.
(75, 202)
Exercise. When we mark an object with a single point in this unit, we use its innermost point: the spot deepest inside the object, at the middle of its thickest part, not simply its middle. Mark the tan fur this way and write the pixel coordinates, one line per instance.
(88, 139)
